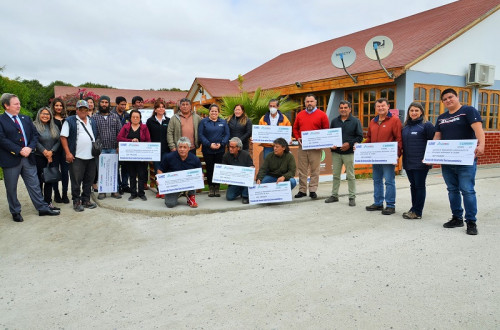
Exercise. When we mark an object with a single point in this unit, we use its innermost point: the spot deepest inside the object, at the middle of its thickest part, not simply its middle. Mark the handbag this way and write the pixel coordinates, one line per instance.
(96, 144)
(51, 174)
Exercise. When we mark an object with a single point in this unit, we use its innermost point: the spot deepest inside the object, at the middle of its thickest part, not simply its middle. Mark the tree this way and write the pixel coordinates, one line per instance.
(257, 104)
(94, 85)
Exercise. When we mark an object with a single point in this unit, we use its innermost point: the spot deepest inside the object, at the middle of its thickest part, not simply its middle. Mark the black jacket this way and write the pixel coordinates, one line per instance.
(158, 132)
(351, 132)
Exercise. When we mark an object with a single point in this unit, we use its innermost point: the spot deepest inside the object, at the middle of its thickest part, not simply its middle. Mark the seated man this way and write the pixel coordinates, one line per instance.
(180, 160)
(237, 157)
(278, 166)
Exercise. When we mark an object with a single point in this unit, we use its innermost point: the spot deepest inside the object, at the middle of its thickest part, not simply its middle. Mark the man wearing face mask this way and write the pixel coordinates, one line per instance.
(273, 117)
(108, 127)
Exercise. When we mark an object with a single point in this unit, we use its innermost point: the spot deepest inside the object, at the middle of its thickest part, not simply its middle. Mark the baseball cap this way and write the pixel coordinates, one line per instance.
(82, 103)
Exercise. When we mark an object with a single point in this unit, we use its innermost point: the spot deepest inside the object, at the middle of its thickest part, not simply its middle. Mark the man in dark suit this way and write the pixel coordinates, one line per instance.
(18, 138)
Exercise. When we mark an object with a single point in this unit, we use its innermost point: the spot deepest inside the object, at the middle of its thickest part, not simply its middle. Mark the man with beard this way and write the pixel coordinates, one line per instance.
(108, 127)
(309, 161)
(120, 111)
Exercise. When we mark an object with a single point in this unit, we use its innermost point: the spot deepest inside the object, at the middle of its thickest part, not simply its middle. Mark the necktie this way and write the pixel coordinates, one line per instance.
(20, 130)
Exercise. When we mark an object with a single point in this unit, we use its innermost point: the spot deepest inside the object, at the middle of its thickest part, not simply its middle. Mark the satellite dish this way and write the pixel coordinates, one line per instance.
(380, 44)
(378, 48)
(342, 58)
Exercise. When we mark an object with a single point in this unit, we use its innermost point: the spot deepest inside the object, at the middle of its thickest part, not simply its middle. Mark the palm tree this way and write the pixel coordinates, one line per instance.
(257, 104)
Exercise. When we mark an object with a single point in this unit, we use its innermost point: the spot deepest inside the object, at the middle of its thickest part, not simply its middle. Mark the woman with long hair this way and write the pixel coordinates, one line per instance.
(416, 132)
(157, 125)
(46, 148)
(59, 114)
(240, 125)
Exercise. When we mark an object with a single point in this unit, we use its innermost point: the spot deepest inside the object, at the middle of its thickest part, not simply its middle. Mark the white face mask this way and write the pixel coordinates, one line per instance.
(273, 110)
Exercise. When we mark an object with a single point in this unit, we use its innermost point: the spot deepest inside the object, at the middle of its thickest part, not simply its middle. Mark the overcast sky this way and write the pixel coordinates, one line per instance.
(143, 44)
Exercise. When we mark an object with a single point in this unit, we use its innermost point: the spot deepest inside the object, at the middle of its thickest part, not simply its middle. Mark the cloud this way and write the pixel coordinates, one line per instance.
(155, 44)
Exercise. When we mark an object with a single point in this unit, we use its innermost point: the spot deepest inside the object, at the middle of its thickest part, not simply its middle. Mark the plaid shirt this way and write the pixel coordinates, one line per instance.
(108, 127)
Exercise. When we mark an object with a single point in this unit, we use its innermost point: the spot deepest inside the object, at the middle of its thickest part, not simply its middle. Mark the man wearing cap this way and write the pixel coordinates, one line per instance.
(108, 127)
(77, 134)
(18, 139)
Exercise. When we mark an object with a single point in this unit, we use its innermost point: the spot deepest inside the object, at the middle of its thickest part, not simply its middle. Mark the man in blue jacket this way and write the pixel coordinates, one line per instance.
(18, 138)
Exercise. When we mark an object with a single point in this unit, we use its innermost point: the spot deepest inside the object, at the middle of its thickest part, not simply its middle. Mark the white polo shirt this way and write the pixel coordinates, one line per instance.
(83, 141)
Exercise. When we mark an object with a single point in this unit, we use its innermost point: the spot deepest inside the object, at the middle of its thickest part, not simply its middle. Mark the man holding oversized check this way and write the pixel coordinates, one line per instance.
(383, 128)
(237, 170)
(309, 119)
(343, 154)
(460, 122)
(180, 170)
(273, 117)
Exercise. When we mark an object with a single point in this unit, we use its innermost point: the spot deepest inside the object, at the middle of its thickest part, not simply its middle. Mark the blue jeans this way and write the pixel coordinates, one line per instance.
(461, 179)
(233, 192)
(269, 179)
(417, 188)
(383, 172)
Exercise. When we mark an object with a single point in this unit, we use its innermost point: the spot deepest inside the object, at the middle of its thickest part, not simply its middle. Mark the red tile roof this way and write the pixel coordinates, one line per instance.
(413, 37)
(60, 91)
(218, 87)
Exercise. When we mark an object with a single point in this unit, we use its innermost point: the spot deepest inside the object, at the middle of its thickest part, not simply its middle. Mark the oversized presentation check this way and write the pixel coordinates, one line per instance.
(108, 173)
(450, 152)
(172, 182)
(322, 138)
(376, 153)
(270, 193)
(267, 133)
(140, 151)
(234, 175)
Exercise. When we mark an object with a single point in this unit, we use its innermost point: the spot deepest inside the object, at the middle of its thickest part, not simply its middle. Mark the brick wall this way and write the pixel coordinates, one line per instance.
(491, 150)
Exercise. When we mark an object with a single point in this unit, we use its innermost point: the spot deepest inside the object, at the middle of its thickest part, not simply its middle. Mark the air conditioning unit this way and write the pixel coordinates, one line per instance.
(480, 74)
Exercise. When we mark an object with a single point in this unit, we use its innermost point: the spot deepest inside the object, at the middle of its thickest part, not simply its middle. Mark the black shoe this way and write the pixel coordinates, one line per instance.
(101, 196)
(471, 228)
(77, 206)
(454, 222)
(131, 198)
(89, 205)
(120, 191)
(331, 199)
(374, 207)
(57, 197)
(126, 189)
(143, 197)
(17, 217)
(52, 207)
(313, 195)
(300, 194)
(116, 195)
(65, 199)
(244, 200)
(48, 212)
(352, 202)
(389, 211)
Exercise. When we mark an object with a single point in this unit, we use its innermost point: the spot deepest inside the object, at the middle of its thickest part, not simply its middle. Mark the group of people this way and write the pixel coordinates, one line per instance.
(459, 122)
(54, 139)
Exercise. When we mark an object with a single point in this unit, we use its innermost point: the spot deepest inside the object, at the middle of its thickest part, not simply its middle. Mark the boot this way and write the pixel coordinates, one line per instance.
(211, 191)
(216, 191)
(57, 197)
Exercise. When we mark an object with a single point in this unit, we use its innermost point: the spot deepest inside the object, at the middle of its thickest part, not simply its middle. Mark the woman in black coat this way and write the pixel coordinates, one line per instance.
(416, 132)
(157, 125)
(240, 125)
